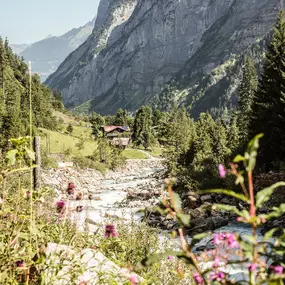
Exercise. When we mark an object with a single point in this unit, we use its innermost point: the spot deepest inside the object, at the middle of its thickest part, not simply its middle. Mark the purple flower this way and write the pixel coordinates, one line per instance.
(170, 257)
(198, 279)
(222, 171)
(19, 263)
(217, 262)
(133, 280)
(60, 204)
(232, 241)
(278, 269)
(217, 239)
(252, 267)
(110, 231)
(218, 276)
(28, 195)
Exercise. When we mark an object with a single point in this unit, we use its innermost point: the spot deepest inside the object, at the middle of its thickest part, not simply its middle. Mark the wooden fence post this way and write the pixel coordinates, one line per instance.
(37, 170)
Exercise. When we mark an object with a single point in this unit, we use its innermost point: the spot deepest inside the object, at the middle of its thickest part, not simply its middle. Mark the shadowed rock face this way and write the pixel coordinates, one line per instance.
(137, 46)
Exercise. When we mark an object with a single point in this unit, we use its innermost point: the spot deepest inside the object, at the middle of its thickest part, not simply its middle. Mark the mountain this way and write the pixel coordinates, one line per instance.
(153, 51)
(18, 48)
(46, 55)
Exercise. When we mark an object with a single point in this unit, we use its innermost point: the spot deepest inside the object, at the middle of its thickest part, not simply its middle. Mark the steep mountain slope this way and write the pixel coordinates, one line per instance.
(139, 46)
(48, 54)
(18, 48)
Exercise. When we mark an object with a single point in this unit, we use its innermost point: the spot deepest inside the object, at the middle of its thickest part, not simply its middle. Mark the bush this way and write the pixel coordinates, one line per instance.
(87, 162)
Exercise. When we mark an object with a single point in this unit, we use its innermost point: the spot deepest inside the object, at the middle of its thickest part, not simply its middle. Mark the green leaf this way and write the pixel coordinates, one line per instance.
(251, 152)
(277, 212)
(185, 219)
(30, 153)
(154, 258)
(226, 192)
(177, 202)
(11, 157)
(264, 195)
(228, 208)
(269, 234)
(198, 237)
(239, 158)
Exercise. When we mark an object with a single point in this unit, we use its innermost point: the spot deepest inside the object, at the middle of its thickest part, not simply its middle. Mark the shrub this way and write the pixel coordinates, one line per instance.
(231, 248)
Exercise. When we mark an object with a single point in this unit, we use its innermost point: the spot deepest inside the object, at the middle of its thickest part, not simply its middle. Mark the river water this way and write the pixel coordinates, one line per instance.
(107, 201)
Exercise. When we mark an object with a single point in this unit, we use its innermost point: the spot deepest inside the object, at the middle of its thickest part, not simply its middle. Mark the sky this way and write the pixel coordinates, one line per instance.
(28, 21)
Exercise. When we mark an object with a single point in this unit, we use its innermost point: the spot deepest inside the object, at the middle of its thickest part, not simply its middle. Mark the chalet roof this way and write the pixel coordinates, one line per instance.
(121, 141)
(108, 129)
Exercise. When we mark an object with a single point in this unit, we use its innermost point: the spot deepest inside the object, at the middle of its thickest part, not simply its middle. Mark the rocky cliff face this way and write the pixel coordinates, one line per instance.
(140, 48)
(48, 54)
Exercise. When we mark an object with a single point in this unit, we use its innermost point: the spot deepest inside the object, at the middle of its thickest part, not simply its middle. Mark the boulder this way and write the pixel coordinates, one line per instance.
(87, 267)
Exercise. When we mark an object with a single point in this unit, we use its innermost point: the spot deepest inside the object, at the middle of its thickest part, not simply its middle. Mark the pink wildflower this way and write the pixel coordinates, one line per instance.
(110, 231)
(218, 276)
(198, 279)
(222, 171)
(133, 280)
(278, 269)
(252, 267)
(217, 262)
(170, 257)
(217, 239)
(232, 241)
(60, 206)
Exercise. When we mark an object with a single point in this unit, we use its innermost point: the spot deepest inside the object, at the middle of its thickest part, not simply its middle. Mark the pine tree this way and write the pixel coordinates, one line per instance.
(97, 122)
(142, 127)
(246, 93)
(268, 108)
(121, 118)
(233, 136)
(69, 129)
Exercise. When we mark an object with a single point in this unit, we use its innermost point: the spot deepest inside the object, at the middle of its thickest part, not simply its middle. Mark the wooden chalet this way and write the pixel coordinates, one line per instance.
(118, 135)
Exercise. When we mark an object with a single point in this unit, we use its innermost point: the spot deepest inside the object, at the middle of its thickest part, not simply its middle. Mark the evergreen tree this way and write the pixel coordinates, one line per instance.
(69, 129)
(268, 108)
(246, 93)
(142, 127)
(121, 118)
(157, 117)
(14, 98)
(97, 122)
(179, 134)
(233, 136)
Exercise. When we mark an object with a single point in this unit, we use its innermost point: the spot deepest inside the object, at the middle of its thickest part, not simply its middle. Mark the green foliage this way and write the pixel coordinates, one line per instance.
(178, 136)
(14, 98)
(246, 94)
(57, 102)
(142, 127)
(97, 122)
(69, 129)
(235, 249)
(88, 162)
(80, 144)
(268, 106)
(108, 154)
(121, 118)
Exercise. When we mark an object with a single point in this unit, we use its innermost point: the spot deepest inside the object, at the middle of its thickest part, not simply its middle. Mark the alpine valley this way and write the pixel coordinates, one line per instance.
(162, 52)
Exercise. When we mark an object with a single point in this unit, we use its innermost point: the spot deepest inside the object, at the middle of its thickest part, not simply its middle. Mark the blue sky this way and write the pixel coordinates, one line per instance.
(27, 21)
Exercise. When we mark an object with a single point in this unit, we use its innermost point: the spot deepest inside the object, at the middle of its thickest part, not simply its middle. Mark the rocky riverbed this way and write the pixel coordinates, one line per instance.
(113, 194)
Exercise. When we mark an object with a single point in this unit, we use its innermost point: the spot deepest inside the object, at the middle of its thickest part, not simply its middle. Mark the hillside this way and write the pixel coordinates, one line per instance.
(141, 48)
(47, 54)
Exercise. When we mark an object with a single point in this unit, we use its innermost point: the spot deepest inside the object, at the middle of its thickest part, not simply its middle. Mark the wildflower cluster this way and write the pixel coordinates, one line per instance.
(247, 251)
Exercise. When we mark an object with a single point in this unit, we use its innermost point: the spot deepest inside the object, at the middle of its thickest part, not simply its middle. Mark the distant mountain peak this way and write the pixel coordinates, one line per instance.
(47, 54)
